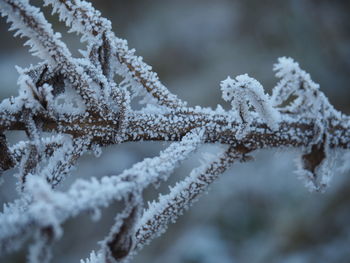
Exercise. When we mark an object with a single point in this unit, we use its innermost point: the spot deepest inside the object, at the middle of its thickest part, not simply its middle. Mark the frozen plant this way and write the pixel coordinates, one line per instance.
(245, 92)
(81, 105)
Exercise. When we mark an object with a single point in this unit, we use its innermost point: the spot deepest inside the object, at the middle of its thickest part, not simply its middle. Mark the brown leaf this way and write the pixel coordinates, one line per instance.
(314, 158)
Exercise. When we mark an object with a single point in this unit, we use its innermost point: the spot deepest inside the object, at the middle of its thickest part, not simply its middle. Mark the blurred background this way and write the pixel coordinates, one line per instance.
(259, 211)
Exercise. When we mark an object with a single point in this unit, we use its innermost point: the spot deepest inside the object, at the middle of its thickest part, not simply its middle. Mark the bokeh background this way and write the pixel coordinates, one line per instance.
(259, 211)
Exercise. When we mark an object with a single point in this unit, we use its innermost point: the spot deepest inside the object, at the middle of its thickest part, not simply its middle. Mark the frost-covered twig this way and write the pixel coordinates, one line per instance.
(83, 108)
(156, 218)
(86, 195)
(297, 94)
(31, 23)
(222, 128)
(82, 18)
(299, 97)
(169, 207)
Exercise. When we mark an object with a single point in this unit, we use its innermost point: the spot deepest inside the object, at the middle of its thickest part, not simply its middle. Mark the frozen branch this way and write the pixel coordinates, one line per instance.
(90, 195)
(169, 207)
(69, 106)
(31, 23)
(82, 18)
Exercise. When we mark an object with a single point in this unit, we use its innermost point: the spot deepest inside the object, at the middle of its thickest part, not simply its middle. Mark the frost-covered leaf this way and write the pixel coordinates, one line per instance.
(120, 241)
(297, 93)
(315, 166)
(244, 92)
